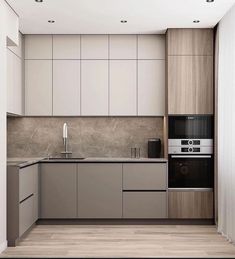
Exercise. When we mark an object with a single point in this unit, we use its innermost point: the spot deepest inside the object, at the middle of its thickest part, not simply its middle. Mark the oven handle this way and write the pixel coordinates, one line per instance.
(194, 156)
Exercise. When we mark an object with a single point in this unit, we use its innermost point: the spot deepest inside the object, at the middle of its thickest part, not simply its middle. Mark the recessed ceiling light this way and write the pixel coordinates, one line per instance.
(196, 21)
(210, 1)
(123, 21)
(51, 21)
(38, 1)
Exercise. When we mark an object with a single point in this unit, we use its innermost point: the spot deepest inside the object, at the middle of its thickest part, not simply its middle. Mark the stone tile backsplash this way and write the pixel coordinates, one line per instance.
(88, 136)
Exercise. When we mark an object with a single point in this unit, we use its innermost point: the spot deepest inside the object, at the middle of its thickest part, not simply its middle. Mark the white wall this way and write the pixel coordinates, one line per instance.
(226, 125)
(8, 25)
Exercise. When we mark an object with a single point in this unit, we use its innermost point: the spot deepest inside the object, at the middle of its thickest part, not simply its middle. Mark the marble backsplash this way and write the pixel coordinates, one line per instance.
(88, 136)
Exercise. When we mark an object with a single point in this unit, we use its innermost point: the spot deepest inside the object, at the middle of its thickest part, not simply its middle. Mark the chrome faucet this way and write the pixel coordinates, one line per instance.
(65, 140)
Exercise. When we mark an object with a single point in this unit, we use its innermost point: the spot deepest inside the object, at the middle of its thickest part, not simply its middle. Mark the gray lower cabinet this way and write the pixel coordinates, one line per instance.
(58, 183)
(144, 205)
(99, 190)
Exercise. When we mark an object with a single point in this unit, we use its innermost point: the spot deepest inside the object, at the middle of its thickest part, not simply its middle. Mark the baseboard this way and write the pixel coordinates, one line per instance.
(3, 246)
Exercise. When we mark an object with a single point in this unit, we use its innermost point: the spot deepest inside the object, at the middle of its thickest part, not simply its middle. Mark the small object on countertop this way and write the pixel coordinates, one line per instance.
(154, 148)
(135, 152)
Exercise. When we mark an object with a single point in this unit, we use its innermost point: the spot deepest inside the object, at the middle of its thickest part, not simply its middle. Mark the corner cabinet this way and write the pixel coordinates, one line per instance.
(190, 71)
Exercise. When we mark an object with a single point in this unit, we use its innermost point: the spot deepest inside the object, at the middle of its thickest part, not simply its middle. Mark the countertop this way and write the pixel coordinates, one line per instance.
(23, 161)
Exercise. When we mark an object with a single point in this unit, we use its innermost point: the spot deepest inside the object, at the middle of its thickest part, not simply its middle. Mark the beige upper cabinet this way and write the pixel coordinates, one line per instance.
(66, 87)
(123, 88)
(151, 87)
(94, 87)
(38, 47)
(123, 46)
(38, 87)
(190, 42)
(66, 47)
(94, 46)
(151, 46)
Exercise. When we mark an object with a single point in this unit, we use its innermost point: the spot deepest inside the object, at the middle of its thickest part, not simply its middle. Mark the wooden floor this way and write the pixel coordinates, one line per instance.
(122, 241)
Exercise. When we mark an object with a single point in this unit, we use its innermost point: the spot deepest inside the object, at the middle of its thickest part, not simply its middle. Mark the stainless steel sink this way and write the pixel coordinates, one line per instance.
(65, 158)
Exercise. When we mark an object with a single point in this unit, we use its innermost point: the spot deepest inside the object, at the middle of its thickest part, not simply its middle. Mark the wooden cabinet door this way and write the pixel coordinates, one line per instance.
(190, 85)
(38, 87)
(123, 88)
(94, 88)
(66, 87)
(58, 196)
(151, 87)
(100, 190)
(190, 204)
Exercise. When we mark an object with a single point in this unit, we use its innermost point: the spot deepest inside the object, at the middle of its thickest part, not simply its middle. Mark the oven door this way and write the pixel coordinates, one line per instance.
(191, 171)
(190, 127)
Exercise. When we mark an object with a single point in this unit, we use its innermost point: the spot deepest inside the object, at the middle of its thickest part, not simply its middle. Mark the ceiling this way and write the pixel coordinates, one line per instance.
(103, 16)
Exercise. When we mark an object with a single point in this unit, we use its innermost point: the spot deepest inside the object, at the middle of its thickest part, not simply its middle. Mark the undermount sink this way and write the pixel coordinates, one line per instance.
(65, 158)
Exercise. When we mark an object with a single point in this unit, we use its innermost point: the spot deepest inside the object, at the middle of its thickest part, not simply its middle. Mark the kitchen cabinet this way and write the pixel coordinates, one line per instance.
(66, 87)
(123, 88)
(94, 47)
(191, 204)
(144, 205)
(190, 85)
(22, 203)
(66, 46)
(99, 190)
(94, 88)
(38, 46)
(123, 46)
(151, 87)
(14, 84)
(38, 87)
(18, 50)
(151, 46)
(58, 191)
(190, 42)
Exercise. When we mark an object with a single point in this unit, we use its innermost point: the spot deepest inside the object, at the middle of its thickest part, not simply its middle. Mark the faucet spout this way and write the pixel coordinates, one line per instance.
(65, 140)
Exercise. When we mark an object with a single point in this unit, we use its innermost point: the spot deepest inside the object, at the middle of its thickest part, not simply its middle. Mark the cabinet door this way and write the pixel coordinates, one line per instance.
(99, 190)
(66, 87)
(151, 87)
(123, 87)
(38, 47)
(123, 46)
(66, 46)
(191, 204)
(94, 46)
(26, 215)
(190, 41)
(94, 87)
(58, 196)
(38, 87)
(10, 81)
(151, 46)
(190, 85)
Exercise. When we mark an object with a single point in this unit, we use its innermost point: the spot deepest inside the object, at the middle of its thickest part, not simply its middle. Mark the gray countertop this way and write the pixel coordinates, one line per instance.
(23, 162)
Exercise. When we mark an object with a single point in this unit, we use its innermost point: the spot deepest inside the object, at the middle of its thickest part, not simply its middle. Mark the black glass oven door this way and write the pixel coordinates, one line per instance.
(195, 171)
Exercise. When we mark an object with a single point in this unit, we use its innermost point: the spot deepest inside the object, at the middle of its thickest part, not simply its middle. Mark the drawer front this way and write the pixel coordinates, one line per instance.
(27, 181)
(144, 205)
(144, 176)
(26, 215)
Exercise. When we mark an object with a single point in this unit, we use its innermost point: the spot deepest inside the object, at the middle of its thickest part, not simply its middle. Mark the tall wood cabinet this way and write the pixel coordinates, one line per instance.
(190, 71)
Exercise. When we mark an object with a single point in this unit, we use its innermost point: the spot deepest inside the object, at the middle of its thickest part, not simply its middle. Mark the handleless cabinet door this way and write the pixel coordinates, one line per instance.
(66, 87)
(123, 88)
(58, 190)
(38, 87)
(151, 87)
(94, 87)
(66, 46)
(100, 190)
(94, 47)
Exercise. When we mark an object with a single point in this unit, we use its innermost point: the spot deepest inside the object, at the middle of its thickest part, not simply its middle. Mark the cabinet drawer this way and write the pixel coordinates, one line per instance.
(144, 205)
(27, 181)
(26, 215)
(144, 176)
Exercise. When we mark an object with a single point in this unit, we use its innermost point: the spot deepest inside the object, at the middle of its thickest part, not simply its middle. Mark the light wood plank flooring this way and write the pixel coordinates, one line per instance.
(112, 241)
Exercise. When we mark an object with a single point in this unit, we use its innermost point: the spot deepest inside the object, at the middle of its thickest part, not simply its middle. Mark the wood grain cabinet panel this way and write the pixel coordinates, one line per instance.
(190, 85)
(190, 204)
(190, 42)
(99, 190)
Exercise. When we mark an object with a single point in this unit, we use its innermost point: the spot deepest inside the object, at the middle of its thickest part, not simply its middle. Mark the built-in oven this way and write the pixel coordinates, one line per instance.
(191, 171)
